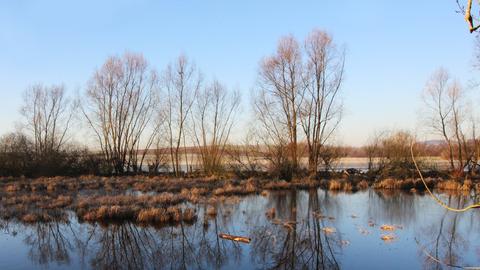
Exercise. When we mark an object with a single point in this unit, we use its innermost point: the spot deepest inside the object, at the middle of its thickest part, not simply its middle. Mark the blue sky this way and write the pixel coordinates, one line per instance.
(392, 47)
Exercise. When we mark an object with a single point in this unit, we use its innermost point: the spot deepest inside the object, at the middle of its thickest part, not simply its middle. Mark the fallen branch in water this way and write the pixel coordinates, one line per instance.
(235, 238)
(287, 224)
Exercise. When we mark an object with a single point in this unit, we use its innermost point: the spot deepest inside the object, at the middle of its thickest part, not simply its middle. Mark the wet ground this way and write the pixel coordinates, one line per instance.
(312, 229)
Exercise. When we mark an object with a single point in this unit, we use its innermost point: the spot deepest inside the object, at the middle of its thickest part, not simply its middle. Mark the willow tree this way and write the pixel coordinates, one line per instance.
(322, 108)
(279, 99)
(446, 112)
(119, 104)
(181, 82)
(213, 118)
(48, 113)
(439, 109)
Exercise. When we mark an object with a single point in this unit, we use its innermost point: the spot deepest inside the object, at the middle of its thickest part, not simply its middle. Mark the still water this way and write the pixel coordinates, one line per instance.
(300, 236)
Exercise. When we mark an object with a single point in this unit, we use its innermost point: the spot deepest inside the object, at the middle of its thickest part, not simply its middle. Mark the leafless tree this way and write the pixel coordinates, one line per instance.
(372, 149)
(245, 159)
(182, 81)
(278, 103)
(440, 108)
(213, 118)
(119, 105)
(321, 111)
(48, 113)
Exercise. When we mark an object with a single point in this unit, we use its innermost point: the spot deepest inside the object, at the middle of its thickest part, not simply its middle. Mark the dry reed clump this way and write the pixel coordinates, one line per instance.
(230, 189)
(362, 185)
(116, 212)
(150, 215)
(211, 211)
(250, 186)
(270, 213)
(467, 185)
(388, 183)
(193, 195)
(12, 188)
(335, 185)
(405, 184)
(189, 215)
(449, 185)
(153, 215)
(30, 218)
(282, 184)
(60, 202)
(43, 217)
(347, 187)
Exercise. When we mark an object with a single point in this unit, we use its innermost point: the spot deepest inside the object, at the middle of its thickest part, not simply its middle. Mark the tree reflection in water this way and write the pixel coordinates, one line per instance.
(441, 243)
(303, 246)
(48, 243)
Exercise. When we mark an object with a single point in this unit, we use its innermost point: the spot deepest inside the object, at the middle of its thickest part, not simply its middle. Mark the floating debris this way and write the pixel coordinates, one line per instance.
(385, 227)
(344, 242)
(328, 230)
(235, 238)
(287, 224)
(388, 237)
(331, 218)
(363, 231)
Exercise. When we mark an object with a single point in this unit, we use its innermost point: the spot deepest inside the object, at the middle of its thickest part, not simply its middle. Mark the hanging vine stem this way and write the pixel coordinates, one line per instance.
(444, 205)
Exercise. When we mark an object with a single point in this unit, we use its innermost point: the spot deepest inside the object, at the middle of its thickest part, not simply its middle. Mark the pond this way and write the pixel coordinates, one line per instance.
(313, 229)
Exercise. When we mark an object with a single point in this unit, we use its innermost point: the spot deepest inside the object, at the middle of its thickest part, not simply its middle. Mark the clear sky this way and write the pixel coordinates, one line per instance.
(392, 46)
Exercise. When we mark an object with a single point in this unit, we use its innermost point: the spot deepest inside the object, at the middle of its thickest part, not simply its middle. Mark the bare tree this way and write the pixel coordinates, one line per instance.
(457, 121)
(279, 101)
(119, 105)
(213, 118)
(440, 108)
(245, 158)
(182, 81)
(48, 113)
(321, 111)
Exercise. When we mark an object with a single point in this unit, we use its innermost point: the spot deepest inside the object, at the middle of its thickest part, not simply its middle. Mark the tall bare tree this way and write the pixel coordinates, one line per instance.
(182, 81)
(48, 113)
(440, 108)
(213, 118)
(447, 113)
(278, 103)
(119, 105)
(322, 109)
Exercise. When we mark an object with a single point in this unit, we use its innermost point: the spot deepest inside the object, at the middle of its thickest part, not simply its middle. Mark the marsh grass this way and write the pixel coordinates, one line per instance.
(157, 200)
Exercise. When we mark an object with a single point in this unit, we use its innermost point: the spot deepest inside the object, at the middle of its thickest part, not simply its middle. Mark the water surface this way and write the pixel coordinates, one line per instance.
(295, 238)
